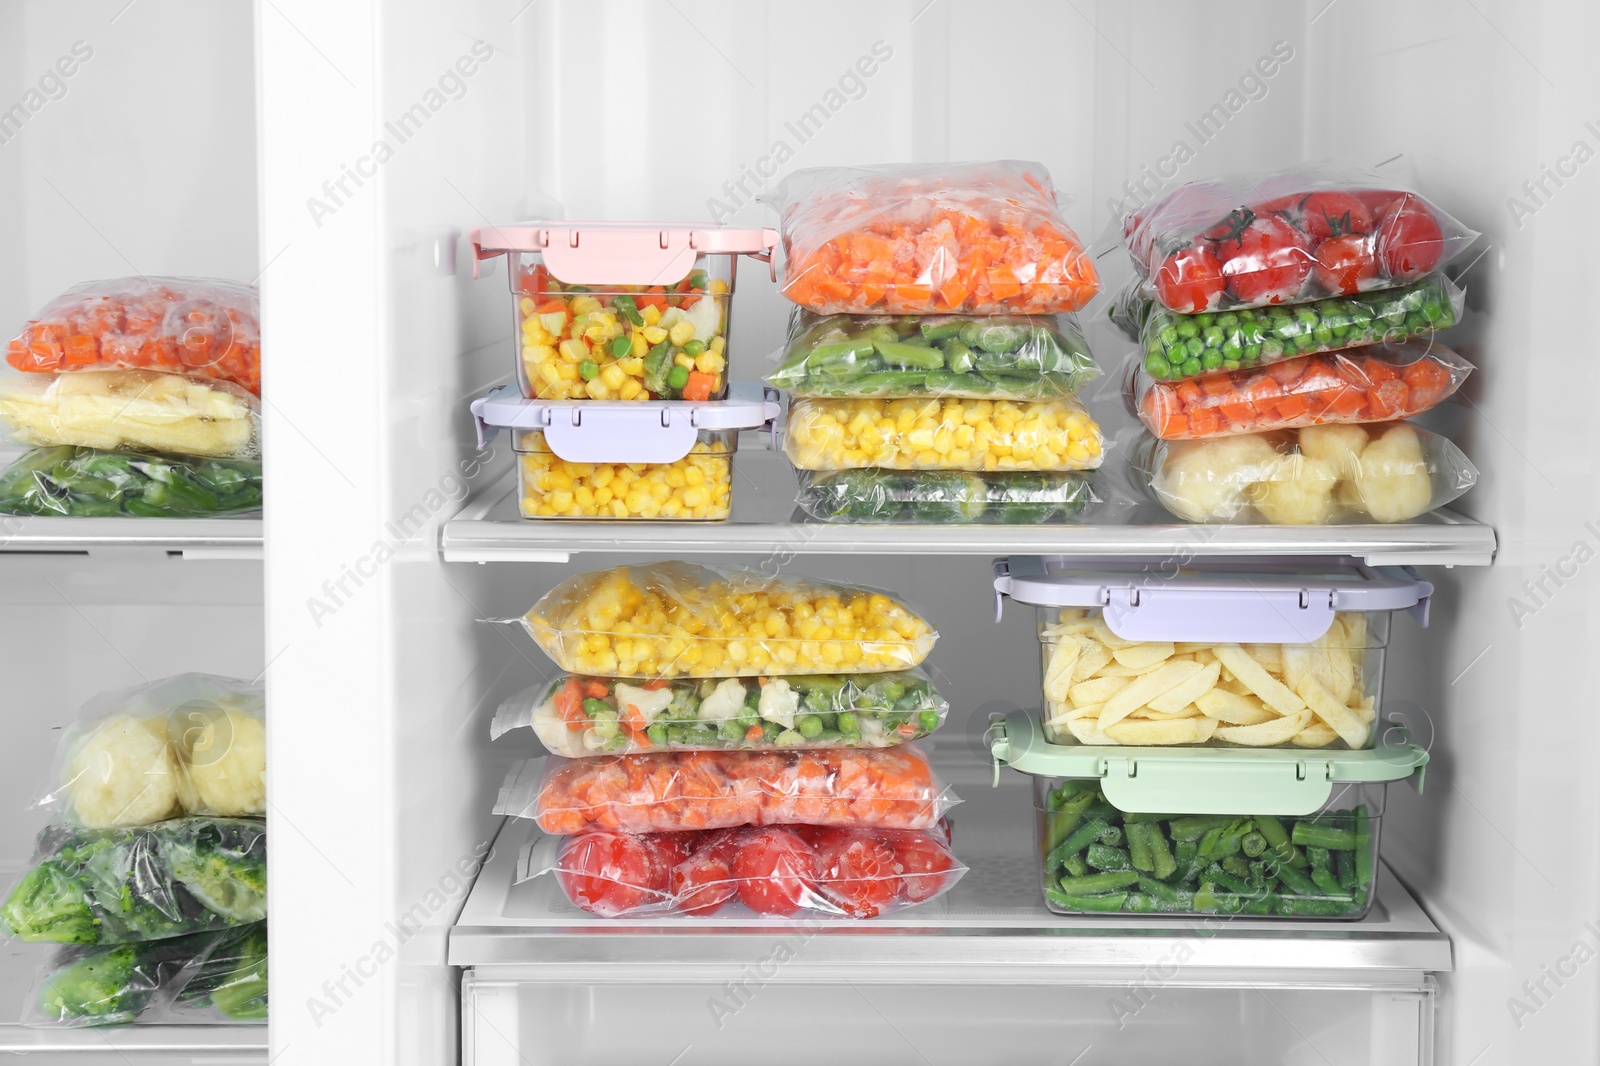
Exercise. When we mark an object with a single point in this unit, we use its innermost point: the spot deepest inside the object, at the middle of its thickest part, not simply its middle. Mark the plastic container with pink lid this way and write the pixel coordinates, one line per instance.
(633, 311)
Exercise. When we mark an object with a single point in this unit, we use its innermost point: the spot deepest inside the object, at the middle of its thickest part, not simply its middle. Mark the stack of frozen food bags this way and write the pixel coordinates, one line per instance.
(137, 397)
(731, 742)
(152, 877)
(932, 360)
(1286, 326)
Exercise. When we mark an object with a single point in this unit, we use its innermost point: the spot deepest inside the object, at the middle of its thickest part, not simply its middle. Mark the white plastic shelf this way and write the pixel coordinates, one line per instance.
(765, 521)
(193, 538)
(991, 928)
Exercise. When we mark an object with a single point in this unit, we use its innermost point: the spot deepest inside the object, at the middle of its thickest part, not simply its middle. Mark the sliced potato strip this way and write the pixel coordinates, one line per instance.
(1315, 735)
(1179, 731)
(1183, 695)
(1272, 691)
(1143, 689)
(1189, 711)
(1231, 708)
(1351, 729)
(1088, 732)
(1266, 734)
(1097, 690)
(1093, 660)
(1058, 672)
(1143, 656)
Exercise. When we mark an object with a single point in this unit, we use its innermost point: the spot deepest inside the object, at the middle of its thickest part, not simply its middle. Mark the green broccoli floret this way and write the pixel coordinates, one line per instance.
(237, 977)
(223, 862)
(857, 495)
(946, 496)
(49, 906)
(105, 985)
(1026, 497)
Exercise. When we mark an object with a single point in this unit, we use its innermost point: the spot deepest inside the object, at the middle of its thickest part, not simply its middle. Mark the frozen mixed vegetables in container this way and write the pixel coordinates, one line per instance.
(1377, 383)
(1284, 238)
(963, 238)
(677, 619)
(1177, 346)
(1319, 475)
(621, 311)
(1241, 653)
(663, 792)
(199, 327)
(946, 497)
(782, 871)
(139, 409)
(577, 716)
(1172, 832)
(1001, 357)
(942, 434)
(89, 483)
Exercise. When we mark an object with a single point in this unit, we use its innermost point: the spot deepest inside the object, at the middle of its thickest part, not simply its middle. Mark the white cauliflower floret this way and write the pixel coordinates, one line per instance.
(1207, 480)
(553, 733)
(650, 701)
(779, 702)
(224, 755)
(1393, 480)
(1297, 492)
(725, 701)
(1339, 445)
(122, 774)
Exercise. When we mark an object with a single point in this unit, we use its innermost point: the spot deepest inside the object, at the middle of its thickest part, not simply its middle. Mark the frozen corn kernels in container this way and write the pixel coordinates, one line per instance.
(942, 434)
(676, 619)
(696, 487)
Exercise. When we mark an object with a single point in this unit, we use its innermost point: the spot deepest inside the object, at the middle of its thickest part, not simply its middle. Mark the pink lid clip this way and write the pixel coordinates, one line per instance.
(621, 253)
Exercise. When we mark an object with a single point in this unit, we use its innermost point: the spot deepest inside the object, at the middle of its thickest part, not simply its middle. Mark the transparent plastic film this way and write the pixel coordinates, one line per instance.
(942, 497)
(90, 483)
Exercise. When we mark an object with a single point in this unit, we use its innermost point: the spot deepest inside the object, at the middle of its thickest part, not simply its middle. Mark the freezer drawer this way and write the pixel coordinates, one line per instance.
(511, 1022)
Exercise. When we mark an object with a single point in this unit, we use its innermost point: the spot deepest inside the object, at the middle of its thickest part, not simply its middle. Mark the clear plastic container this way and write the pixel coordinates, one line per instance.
(1239, 654)
(622, 311)
(695, 488)
(1097, 859)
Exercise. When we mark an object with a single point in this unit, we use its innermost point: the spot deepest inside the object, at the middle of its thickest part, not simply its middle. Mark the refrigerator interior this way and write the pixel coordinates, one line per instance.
(387, 131)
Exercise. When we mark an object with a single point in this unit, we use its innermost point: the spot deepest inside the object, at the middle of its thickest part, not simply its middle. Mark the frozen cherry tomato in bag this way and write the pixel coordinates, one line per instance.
(1332, 213)
(776, 871)
(1409, 241)
(1265, 260)
(925, 864)
(1190, 280)
(610, 873)
(858, 872)
(1346, 265)
(703, 882)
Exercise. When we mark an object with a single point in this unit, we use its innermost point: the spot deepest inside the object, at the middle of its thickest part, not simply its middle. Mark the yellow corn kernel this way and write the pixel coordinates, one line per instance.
(585, 304)
(718, 344)
(651, 315)
(638, 345)
(597, 390)
(709, 362)
(683, 360)
(613, 376)
(682, 333)
(632, 366)
(595, 334)
(655, 334)
(568, 371)
(629, 388)
(526, 306)
(574, 350)
(549, 373)
(718, 286)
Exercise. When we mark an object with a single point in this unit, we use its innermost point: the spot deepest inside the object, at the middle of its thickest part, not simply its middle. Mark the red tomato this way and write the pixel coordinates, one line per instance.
(610, 874)
(1333, 213)
(924, 864)
(1345, 264)
(1410, 242)
(703, 882)
(1376, 201)
(1265, 261)
(859, 873)
(776, 871)
(1190, 280)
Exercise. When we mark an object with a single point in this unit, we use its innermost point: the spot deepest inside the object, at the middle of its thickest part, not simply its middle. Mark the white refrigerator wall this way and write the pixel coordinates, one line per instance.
(625, 110)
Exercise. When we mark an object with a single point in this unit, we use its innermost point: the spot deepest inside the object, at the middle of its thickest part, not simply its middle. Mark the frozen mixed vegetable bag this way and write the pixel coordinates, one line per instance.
(88, 483)
(945, 497)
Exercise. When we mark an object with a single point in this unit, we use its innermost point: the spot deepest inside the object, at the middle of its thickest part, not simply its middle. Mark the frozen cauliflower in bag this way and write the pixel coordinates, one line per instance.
(123, 774)
(224, 759)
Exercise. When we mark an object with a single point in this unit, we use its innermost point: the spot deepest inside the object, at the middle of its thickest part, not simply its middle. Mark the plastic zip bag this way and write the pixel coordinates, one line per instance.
(1320, 475)
(88, 483)
(205, 978)
(1378, 383)
(889, 788)
(187, 744)
(138, 409)
(979, 238)
(942, 497)
(117, 886)
(1179, 346)
(677, 619)
(1002, 357)
(933, 434)
(580, 716)
(1250, 240)
(202, 327)
(746, 872)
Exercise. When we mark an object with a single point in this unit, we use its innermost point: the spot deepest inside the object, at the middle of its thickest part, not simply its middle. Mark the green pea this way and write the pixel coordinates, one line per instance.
(928, 720)
(605, 725)
(694, 348)
(1227, 319)
(677, 378)
(1231, 349)
(588, 369)
(658, 735)
(1230, 364)
(731, 730)
(1212, 360)
(1187, 330)
(621, 347)
(1322, 335)
(1192, 366)
(809, 726)
(1212, 337)
(1168, 336)
(1194, 346)
(594, 708)
(1204, 319)
(1158, 368)
(848, 722)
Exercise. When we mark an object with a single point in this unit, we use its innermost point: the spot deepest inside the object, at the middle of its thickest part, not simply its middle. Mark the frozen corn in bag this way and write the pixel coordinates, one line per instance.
(738, 873)
(968, 238)
(888, 788)
(1320, 475)
(1377, 383)
(933, 434)
(88, 483)
(201, 327)
(677, 619)
(138, 409)
(1001, 357)
(1250, 240)
(578, 716)
(187, 744)
(945, 497)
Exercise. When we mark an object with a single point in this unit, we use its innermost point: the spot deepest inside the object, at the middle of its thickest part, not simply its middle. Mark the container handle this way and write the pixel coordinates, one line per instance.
(605, 434)
(1193, 787)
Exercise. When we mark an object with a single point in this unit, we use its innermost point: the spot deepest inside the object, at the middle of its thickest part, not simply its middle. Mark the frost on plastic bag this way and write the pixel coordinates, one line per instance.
(1184, 346)
(1282, 238)
(979, 238)
(677, 619)
(940, 497)
(88, 483)
(138, 409)
(887, 788)
(187, 744)
(1320, 475)
(201, 327)
(933, 434)
(1001, 357)
(578, 716)
(1378, 383)
(820, 871)
(206, 978)
(118, 886)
